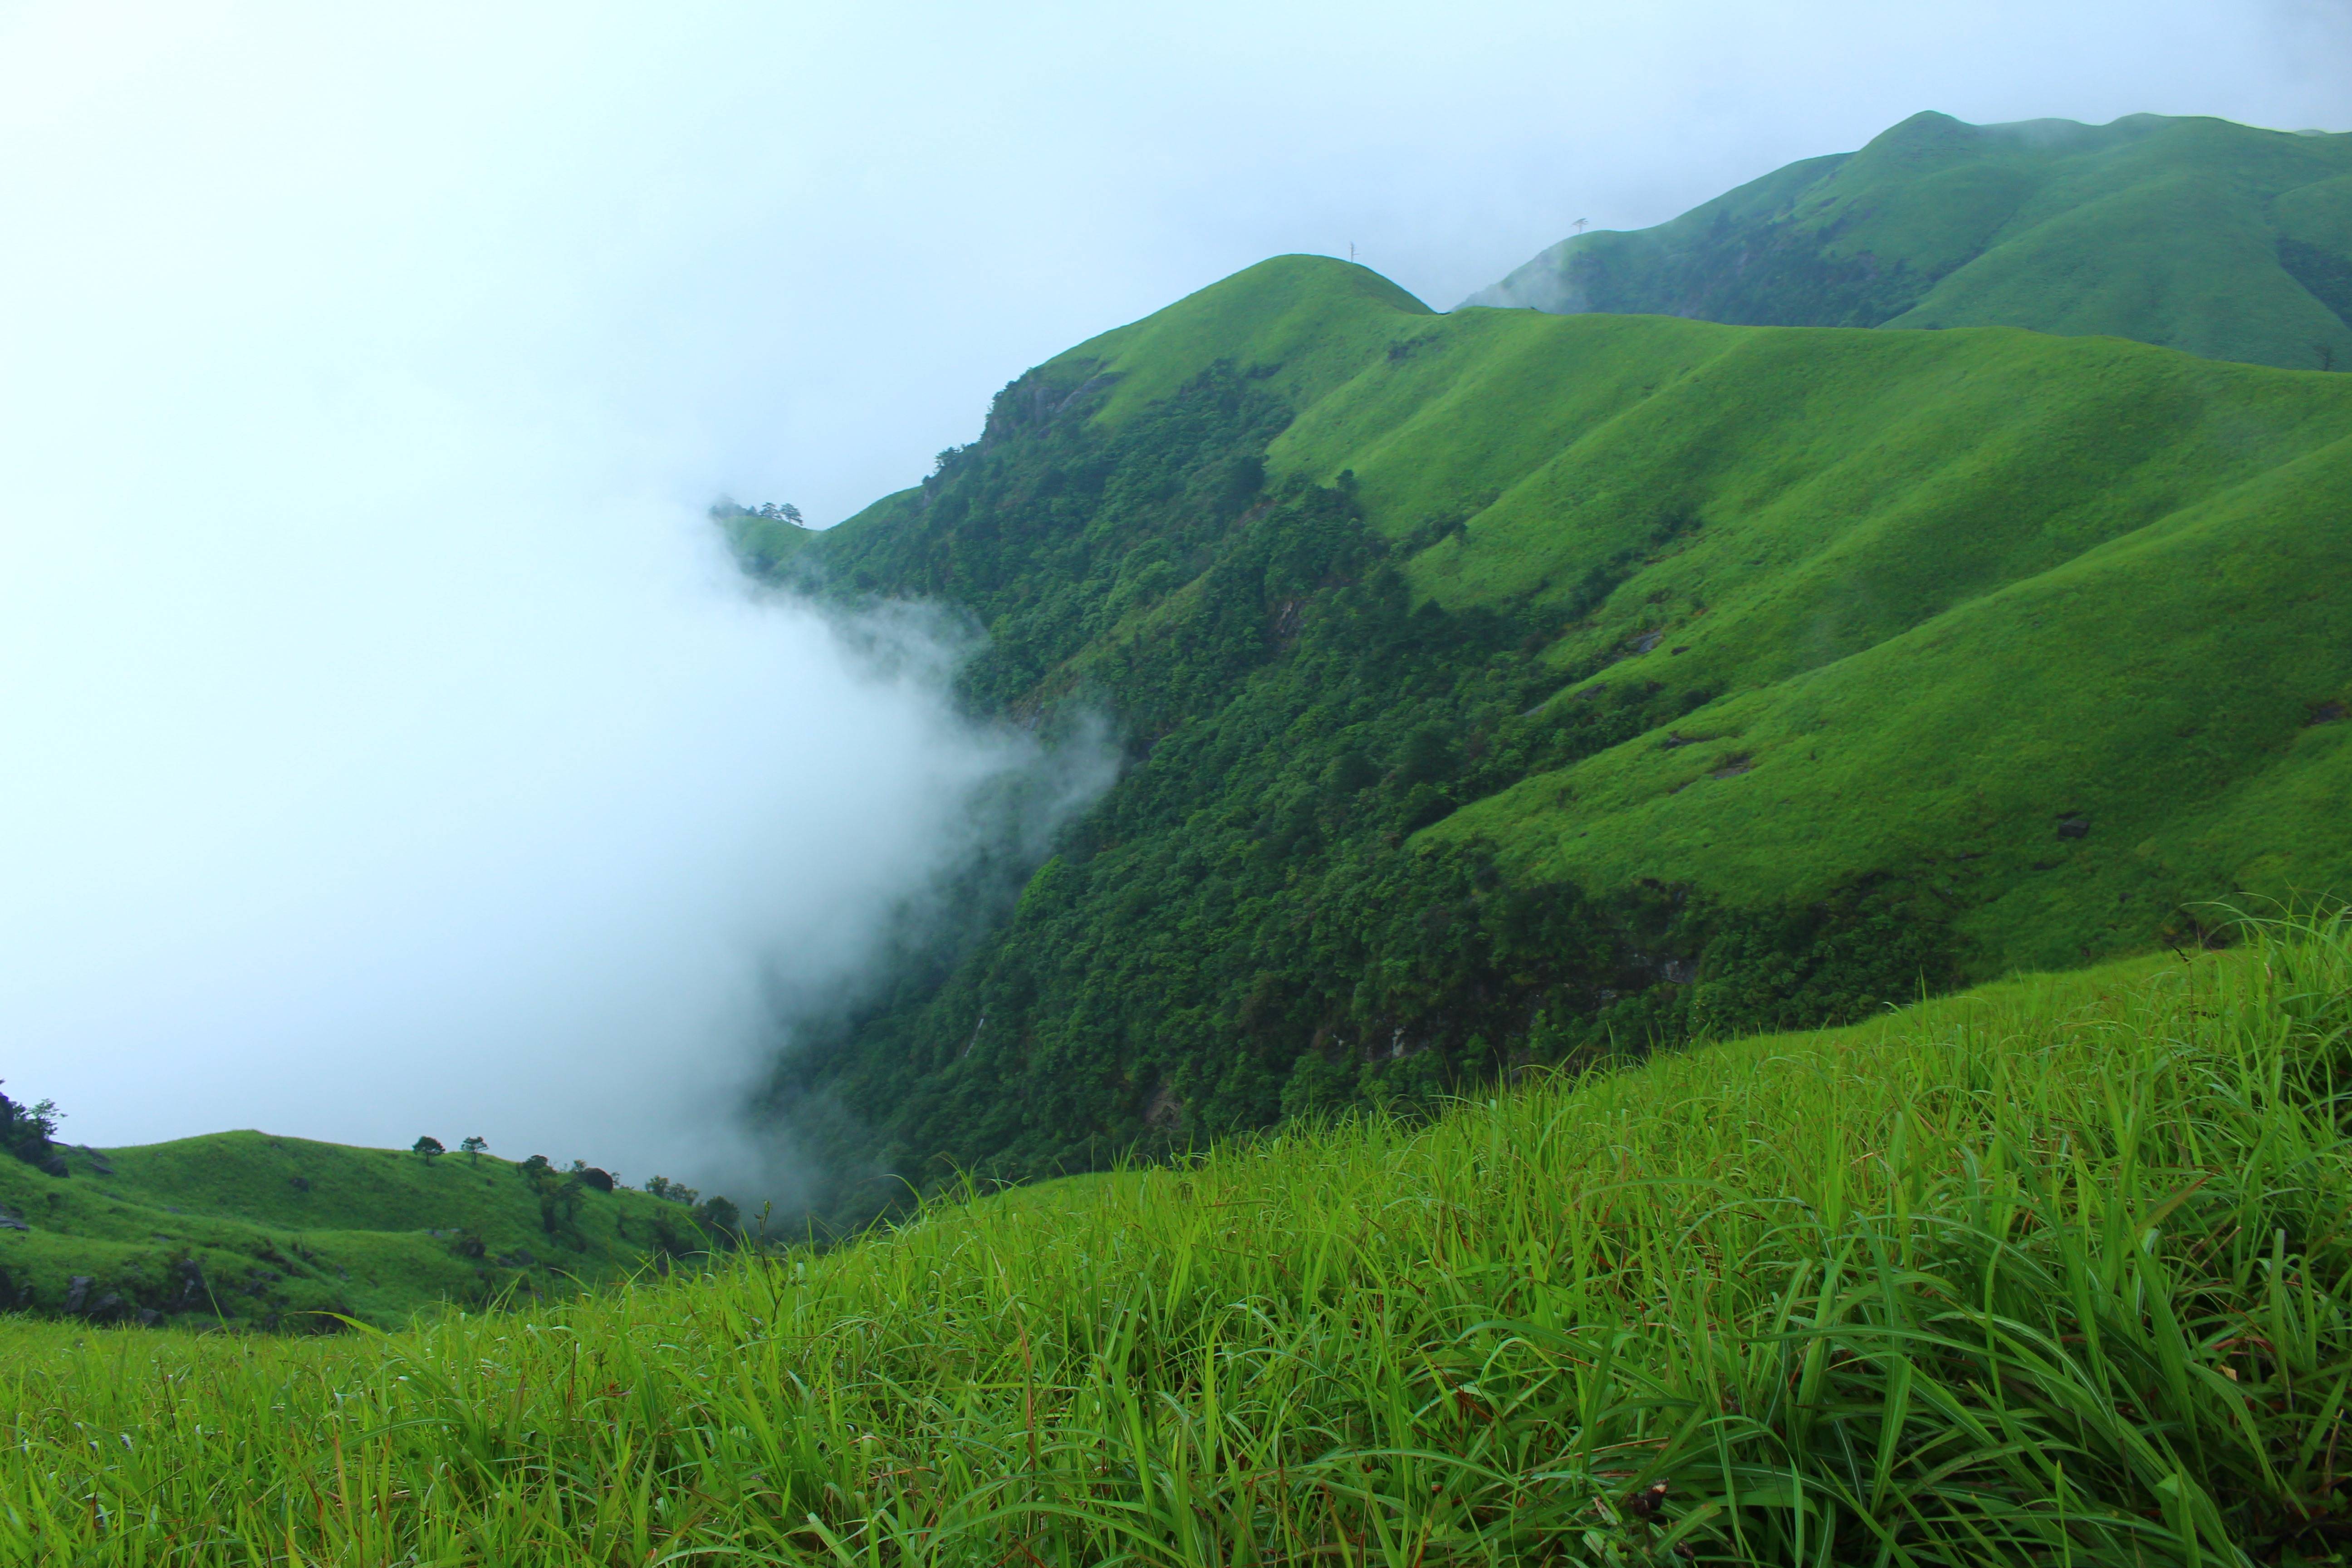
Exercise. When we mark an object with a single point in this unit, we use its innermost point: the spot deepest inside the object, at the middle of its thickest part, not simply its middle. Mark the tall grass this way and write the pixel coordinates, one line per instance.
(2057, 1272)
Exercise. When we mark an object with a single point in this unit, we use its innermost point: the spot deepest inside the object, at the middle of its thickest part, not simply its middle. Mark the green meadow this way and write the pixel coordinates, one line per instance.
(247, 1230)
(2054, 1270)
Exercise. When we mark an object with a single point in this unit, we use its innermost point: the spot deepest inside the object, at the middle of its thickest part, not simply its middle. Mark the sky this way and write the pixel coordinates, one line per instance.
(386, 745)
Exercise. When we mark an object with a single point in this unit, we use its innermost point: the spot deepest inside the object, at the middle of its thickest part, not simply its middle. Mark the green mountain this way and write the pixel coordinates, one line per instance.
(1500, 686)
(2199, 235)
(248, 1230)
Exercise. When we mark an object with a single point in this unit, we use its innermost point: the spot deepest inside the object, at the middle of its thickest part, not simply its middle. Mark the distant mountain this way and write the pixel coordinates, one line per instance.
(1499, 688)
(2193, 234)
(247, 1230)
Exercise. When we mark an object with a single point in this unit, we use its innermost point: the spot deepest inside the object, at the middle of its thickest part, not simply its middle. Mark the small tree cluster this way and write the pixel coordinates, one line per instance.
(716, 1216)
(559, 1192)
(774, 511)
(25, 1131)
(558, 1195)
(720, 1219)
(673, 1192)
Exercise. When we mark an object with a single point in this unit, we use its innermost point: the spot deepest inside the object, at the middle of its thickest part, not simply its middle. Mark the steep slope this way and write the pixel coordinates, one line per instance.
(251, 1230)
(2199, 235)
(1499, 684)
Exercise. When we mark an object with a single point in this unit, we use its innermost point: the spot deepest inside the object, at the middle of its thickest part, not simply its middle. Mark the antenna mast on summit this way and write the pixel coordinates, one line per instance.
(1351, 250)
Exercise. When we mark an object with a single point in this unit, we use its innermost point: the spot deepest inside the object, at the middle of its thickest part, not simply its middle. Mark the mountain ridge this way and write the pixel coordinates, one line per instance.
(1445, 646)
(2197, 233)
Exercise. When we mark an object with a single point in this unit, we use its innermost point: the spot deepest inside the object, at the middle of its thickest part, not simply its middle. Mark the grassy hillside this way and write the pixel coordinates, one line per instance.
(2057, 1271)
(1497, 686)
(243, 1229)
(1948, 596)
(2199, 234)
(763, 539)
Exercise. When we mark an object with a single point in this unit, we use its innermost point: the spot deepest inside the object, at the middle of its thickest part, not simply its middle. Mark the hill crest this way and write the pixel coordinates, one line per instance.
(249, 1230)
(2197, 233)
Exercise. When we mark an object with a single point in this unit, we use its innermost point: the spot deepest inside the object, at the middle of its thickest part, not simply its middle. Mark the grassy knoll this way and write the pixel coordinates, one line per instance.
(2058, 1270)
(1494, 684)
(2195, 234)
(249, 1230)
(765, 538)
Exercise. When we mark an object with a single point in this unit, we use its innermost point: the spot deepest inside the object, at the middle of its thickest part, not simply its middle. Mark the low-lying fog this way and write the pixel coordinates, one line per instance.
(386, 745)
(385, 760)
(391, 746)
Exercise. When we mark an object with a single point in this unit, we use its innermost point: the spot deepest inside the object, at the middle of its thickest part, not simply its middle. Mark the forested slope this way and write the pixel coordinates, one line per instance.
(1499, 684)
(2195, 234)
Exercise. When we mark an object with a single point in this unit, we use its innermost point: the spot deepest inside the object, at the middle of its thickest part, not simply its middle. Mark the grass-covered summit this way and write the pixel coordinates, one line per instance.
(2195, 234)
(1498, 685)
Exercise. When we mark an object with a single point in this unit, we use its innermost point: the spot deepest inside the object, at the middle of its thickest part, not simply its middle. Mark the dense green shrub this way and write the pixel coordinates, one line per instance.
(26, 1133)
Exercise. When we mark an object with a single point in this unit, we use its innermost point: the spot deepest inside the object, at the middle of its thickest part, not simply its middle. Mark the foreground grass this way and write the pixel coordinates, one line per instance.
(2054, 1272)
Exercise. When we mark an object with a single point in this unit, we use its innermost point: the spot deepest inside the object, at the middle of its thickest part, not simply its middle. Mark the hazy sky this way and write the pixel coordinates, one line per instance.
(385, 747)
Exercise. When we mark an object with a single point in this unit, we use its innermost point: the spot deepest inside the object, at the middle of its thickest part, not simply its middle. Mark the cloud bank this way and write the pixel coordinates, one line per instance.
(391, 747)
(451, 797)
